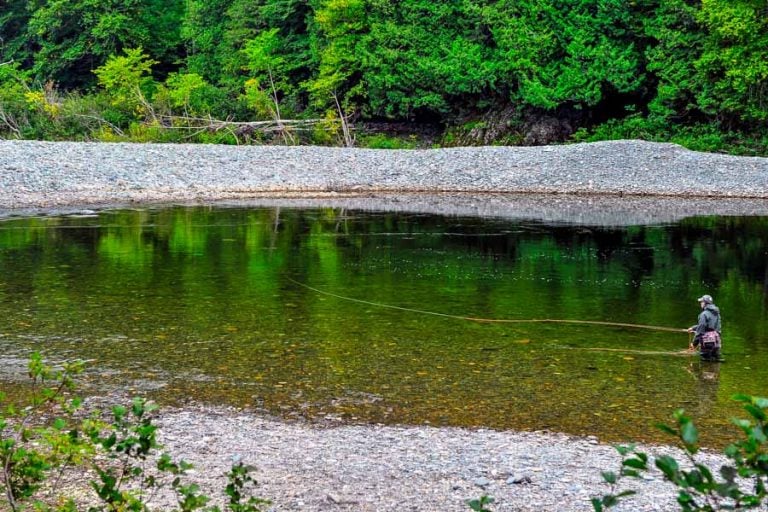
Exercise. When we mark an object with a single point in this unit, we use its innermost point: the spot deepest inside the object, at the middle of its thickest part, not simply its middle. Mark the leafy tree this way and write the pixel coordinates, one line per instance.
(163, 20)
(425, 57)
(126, 79)
(676, 43)
(566, 52)
(73, 37)
(267, 84)
(218, 35)
(186, 91)
(337, 26)
(13, 108)
(734, 61)
(202, 31)
(14, 18)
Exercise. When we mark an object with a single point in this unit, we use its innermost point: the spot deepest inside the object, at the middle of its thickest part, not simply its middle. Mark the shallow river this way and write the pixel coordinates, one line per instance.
(379, 317)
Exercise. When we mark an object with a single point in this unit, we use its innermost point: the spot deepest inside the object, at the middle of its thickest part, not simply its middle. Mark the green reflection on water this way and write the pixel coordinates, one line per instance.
(213, 305)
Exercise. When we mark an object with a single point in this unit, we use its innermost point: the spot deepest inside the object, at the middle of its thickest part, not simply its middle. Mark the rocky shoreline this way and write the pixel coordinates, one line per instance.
(407, 468)
(386, 468)
(50, 174)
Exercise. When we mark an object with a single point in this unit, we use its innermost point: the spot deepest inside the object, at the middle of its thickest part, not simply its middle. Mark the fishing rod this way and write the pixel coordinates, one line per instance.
(489, 320)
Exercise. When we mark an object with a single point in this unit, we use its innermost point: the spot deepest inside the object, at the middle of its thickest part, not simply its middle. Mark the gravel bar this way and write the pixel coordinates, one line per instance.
(46, 174)
(408, 468)
(390, 468)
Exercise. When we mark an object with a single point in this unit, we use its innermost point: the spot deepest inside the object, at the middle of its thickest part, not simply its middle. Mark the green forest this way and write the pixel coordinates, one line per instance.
(379, 73)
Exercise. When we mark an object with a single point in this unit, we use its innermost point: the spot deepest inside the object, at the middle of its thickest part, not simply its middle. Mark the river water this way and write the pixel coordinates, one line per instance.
(345, 315)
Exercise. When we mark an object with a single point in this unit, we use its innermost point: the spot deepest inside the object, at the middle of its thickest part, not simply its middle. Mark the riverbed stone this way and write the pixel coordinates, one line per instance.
(519, 479)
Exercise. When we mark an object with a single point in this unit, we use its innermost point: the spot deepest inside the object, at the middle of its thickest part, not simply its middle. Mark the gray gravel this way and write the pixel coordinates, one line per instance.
(36, 173)
(378, 468)
(385, 468)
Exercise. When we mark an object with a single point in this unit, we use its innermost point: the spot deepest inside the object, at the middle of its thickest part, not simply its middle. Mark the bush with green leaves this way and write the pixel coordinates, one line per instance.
(741, 483)
(696, 137)
(383, 141)
(128, 81)
(50, 444)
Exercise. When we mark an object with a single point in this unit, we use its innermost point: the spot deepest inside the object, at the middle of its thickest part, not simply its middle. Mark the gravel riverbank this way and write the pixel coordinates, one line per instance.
(384, 468)
(45, 174)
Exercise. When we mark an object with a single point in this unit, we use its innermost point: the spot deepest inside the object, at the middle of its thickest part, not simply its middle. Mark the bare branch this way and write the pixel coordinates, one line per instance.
(9, 122)
(253, 124)
(102, 121)
(349, 139)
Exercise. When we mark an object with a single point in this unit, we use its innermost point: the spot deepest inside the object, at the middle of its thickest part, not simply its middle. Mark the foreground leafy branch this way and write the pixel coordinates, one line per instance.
(738, 485)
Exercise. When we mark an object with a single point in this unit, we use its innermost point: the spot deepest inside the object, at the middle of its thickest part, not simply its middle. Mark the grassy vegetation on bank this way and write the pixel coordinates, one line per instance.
(701, 137)
(45, 113)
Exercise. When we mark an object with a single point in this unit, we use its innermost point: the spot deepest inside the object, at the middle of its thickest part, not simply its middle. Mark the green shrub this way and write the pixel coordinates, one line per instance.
(14, 114)
(632, 127)
(743, 483)
(382, 141)
(700, 137)
(217, 137)
(50, 434)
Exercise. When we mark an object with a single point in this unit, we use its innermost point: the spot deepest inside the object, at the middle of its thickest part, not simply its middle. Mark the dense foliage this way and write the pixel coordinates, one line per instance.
(692, 71)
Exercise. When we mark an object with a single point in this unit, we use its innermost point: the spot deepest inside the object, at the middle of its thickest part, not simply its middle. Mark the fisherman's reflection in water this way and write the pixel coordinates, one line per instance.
(707, 376)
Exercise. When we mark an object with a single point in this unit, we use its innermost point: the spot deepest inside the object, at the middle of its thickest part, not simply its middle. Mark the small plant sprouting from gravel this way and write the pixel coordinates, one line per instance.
(481, 504)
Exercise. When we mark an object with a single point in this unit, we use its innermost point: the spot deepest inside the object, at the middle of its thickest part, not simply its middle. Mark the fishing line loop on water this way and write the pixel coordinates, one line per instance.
(489, 320)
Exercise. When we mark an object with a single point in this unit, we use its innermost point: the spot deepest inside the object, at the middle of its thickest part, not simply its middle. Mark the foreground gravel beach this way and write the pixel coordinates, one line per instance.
(385, 468)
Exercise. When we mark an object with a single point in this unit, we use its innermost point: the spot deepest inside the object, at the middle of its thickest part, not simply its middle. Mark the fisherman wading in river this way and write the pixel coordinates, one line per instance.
(707, 330)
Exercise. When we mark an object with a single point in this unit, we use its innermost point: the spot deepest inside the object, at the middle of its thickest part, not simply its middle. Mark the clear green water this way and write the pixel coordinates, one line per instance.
(212, 305)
